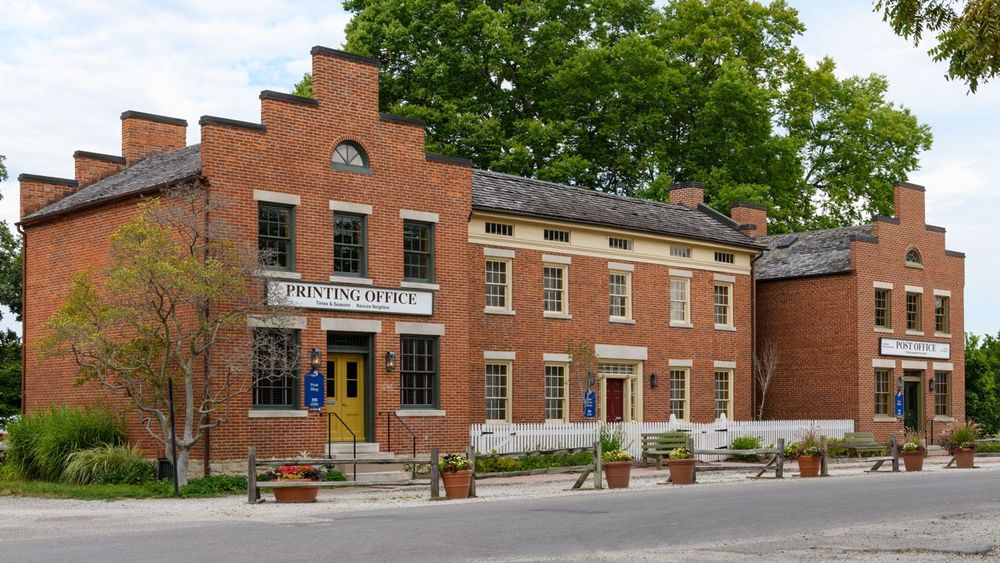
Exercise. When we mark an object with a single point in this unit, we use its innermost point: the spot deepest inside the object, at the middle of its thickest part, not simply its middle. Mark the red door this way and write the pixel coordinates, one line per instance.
(614, 403)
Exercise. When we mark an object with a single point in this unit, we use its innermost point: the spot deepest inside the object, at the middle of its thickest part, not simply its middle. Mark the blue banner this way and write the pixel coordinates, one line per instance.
(589, 404)
(314, 390)
(899, 404)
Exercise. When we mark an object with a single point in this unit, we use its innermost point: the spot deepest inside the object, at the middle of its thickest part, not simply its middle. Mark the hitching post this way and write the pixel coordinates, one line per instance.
(470, 453)
(598, 480)
(435, 475)
(251, 475)
(823, 472)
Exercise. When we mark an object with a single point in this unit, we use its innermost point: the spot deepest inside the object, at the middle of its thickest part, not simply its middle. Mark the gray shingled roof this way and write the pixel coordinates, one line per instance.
(503, 193)
(158, 170)
(813, 253)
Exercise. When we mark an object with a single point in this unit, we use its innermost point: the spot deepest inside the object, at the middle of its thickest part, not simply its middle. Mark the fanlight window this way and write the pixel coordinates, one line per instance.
(349, 155)
(913, 257)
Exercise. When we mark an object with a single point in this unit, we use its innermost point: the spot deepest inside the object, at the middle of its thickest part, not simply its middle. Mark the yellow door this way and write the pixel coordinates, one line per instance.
(345, 389)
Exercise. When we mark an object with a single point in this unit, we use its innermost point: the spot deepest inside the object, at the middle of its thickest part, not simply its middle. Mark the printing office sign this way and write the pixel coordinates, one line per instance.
(339, 297)
(915, 349)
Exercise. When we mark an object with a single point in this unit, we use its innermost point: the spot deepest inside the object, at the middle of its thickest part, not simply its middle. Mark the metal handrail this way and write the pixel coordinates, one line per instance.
(354, 439)
(413, 436)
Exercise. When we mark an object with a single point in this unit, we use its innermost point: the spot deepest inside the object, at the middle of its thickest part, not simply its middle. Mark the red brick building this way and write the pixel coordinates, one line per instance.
(859, 314)
(437, 295)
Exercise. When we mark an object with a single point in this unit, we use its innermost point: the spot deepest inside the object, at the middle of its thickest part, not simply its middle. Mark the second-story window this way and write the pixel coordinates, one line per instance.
(913, 311)
(418, 251)
(883, 302)
(723, 304)
(498, 285)
(619, 295)
(275, 242)
(349, 252)
(554, 288)
(941, 314)
(679, 302)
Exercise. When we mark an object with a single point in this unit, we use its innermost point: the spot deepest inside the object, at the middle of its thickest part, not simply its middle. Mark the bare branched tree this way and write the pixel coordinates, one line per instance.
(180, 287)
(765, 363)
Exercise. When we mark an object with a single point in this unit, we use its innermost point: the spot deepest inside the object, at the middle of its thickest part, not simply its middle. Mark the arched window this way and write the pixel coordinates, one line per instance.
(350, 156)
(913, 257)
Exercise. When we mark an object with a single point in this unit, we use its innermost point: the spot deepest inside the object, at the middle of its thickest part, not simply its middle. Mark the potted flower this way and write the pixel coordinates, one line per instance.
(681, 466)
(913, 451)
(807, 452)
(615, 460)
(456, 472)
(962, 444)
(300, 473)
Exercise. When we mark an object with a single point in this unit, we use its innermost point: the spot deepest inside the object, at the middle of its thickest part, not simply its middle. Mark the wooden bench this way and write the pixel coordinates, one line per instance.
(657, 445)
(856, 444)
(859, 442)
(776, 463)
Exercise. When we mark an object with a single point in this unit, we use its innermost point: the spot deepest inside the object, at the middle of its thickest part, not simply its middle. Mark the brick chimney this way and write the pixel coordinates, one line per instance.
(908, 202)
(39, 191)
(751, 217)
(688, 194)
(91, 166)
(145, 134)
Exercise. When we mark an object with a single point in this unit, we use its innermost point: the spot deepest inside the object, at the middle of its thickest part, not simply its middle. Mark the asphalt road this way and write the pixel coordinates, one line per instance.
(933, 516)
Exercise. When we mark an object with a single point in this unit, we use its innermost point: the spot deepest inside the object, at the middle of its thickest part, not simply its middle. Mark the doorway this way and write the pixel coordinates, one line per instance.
(614, 402)
(913, 400)
(345, 396)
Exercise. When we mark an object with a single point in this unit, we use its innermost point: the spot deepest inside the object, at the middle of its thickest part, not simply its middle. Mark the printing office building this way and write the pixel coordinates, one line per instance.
(438, 295)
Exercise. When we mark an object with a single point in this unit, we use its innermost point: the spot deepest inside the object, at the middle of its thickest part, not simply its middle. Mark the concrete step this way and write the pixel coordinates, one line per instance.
(336, 448)
(380, 476)
(364, 455)
(348, 468)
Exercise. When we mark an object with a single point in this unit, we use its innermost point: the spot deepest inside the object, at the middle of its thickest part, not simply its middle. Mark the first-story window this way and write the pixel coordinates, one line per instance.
(275, 236)
(418, 372)
(680, 305)
(942, 393)
(679, 393)
(498, 284)
(724, 304)
(498, 392)
(275, 367)
(724, 393)
(882, 392)
(554, 283)
(619, 295)
(556, 409)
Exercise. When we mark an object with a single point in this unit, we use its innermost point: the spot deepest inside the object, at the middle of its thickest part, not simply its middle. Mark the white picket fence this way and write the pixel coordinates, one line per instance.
(503, 438)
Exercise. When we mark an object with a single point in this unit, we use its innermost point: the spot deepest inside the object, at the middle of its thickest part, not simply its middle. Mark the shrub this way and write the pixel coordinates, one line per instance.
(611, 440)
(963, 436)
(746, 443)
(681, 453)
(542, 461)
(616, 455)
(334, 475)
(40, 443)
(120, 465)
(214, 485)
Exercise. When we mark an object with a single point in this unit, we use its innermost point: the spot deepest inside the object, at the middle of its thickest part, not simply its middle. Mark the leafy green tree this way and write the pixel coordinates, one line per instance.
(982, 380)
(10, 373)
(968, 32)
(620, 96)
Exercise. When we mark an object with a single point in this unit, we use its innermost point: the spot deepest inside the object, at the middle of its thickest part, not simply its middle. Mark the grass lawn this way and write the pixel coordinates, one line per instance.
(218, 485)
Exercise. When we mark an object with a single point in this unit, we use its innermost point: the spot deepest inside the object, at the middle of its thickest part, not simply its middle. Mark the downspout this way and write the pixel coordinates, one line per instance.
(24, 310)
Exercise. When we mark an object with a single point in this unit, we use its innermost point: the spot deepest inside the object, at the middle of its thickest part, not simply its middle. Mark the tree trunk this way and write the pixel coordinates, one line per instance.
(183, 456)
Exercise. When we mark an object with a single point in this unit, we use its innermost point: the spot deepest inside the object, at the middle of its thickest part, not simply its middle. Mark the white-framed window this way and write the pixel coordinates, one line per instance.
(680, 301)
(679, 378)
(556, 393)
(498, 391)
(680, 251)
(556, 235)
(723, 304)
(620, 295)
(502, 229)
(554, 289)
(619, 243)
(498, 296)
(725, 257)
(724, 393)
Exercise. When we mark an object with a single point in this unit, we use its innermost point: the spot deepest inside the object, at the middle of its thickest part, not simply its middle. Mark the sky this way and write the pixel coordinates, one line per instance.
(68, 69)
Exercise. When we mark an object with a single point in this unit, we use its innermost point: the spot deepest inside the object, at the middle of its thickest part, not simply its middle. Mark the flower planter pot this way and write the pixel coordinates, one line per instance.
(681, 471)
(295, 494)
(913, 461)
(809, 465)
(965, 458)
(617, 473)
(456, 483)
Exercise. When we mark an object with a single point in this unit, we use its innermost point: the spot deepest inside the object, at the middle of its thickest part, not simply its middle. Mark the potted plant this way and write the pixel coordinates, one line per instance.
(301, 473)
(456, 472)
(913, 451)
(681, 466)
(615, 460)
(962, 444)
(807, 452)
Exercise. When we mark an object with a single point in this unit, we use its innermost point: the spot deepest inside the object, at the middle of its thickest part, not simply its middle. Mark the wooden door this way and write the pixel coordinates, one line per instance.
(614, 402)
(345, 395)
(911, 405)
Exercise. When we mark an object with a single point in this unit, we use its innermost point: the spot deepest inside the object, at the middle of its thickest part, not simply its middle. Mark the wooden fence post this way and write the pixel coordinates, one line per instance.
(598, 478)
(435, 475)
(780, 471)
(823, 470)
(470, 453)
(694, 468)
(252, 494)
(895, 454)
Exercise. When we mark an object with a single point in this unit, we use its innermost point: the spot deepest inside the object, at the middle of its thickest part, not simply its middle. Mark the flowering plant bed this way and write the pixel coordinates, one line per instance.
(294, 473)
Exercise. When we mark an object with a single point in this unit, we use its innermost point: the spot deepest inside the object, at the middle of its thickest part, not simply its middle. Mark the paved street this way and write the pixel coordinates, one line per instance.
(932, 516)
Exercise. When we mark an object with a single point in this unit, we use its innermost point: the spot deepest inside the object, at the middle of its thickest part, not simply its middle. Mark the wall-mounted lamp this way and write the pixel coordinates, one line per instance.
(590, 380)
(899, 384)
(315, 356)
(390, 361)
(930, 384)
(654, 380)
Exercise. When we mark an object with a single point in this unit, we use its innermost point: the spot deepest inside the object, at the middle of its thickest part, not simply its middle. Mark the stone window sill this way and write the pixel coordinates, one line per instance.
(726, 328)
(283, 274)
(498, 311)
(939, 418)
(420, 412)
(680, 324)
(351, 280)
(555, 315)
(942, 334)
(914, 333)
(621, 321)
(884, 419)
(883, 330)
(419, 285)
(277, 413)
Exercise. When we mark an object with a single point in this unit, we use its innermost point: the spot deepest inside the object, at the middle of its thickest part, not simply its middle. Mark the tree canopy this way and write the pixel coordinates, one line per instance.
(982, 380)
(968, 32)
(624, 97)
